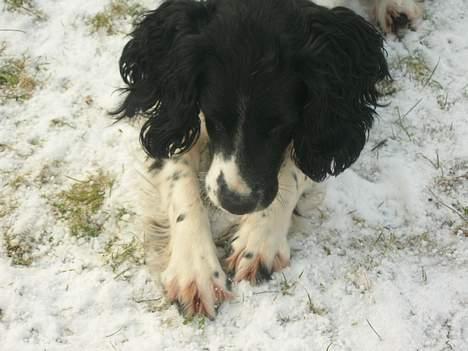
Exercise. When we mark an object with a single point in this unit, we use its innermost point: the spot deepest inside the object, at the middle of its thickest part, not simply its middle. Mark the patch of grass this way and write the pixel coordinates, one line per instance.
(60, 123)
(387, 242)
(15, 80)
(117, 254)
(157, 304)
(196, 321)
(80, 204)
(105, 21)
(122, 214)
(436, 162)
(24, 6)
(416, 67)
(102, 22)
(18, 181)
(401, 120)
(16, 5)
(313, 308)
(6, 207)
(48, 172)
(20, 251)
(443, 102)
(287, 287)
(453, 181)
(359, 221)
(450, 185)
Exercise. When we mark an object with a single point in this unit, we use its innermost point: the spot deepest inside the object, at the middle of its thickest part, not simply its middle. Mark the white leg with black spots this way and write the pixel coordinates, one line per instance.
(191, 273)
(260, 245)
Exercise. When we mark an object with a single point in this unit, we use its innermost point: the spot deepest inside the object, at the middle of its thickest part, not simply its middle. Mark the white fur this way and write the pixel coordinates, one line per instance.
(179, 248)
(234, 181)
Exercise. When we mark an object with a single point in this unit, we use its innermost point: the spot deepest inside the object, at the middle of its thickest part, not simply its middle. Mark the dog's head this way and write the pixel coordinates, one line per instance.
(270, 76)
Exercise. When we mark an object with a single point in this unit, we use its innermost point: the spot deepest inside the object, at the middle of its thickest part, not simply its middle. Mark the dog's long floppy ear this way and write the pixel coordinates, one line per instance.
(160, 66)
(340, 58)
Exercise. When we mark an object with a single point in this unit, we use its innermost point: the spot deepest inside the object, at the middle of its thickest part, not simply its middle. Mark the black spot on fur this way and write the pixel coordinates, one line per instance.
(180, 218)
(295, 180)
(157, 165)
(176, 176)
(248, 255)
(294, 176)
(216, 274)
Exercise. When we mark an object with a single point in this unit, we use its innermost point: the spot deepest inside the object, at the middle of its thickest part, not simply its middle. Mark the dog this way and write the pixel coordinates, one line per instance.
(247, 106)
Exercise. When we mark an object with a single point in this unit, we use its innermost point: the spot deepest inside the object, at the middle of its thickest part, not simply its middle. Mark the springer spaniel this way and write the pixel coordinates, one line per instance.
(248, 106)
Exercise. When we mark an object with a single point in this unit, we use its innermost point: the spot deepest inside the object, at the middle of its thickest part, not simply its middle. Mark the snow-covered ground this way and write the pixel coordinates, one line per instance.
(382, 266)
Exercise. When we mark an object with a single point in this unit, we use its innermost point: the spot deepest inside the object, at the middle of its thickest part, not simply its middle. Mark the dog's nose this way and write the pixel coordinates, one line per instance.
(234, 202)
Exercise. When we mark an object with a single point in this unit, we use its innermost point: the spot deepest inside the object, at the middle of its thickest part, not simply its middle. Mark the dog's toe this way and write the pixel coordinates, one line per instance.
(195, 299)
(395, 16)
(255, 268)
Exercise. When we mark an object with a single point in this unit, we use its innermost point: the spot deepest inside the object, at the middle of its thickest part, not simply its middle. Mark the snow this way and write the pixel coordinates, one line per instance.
(383, 264)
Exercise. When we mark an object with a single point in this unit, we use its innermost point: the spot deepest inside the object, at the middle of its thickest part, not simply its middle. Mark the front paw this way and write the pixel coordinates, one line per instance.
(258, 251)
(394, 15)
(197, 286)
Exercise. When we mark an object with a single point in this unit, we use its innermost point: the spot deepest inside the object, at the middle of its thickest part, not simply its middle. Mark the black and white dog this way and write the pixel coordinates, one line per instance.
(248, 104)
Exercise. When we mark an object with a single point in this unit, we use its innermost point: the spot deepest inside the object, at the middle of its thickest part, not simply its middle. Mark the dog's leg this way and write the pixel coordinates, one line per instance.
(391, 15)
(260, 244)
(192, 274)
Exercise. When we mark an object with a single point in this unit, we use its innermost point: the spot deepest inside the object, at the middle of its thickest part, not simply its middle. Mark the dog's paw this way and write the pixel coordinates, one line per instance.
(197, 283)
(394, 15)
(259, 249)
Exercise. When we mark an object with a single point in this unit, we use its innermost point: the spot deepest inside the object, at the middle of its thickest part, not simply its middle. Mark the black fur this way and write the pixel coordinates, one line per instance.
(160, 66)
(341, 60)
(275, 72)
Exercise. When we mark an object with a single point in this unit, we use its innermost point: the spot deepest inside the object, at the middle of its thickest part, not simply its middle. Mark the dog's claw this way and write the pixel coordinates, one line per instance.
(192, 301)
(255, 271)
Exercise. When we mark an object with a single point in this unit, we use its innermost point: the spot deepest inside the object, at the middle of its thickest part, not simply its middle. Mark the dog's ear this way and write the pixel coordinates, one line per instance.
(340, 58)
(160, 66)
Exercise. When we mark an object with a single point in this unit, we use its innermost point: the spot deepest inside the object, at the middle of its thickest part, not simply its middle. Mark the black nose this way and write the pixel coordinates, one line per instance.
(234, 202)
